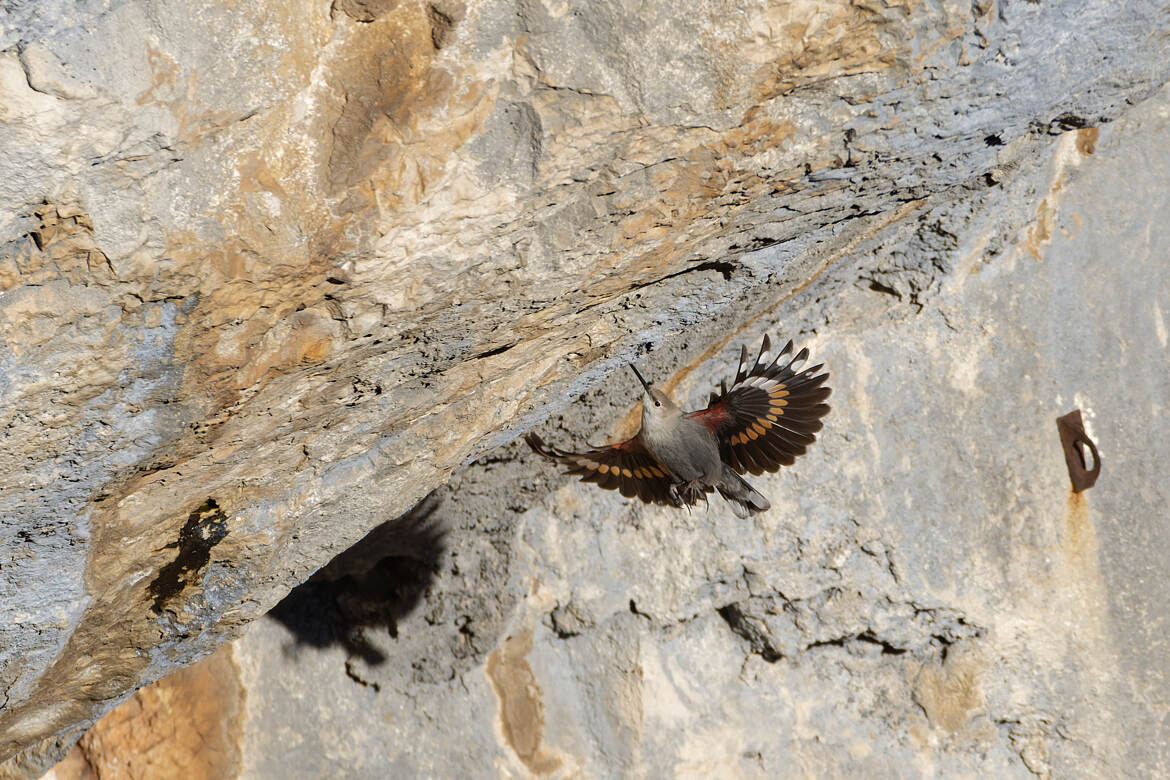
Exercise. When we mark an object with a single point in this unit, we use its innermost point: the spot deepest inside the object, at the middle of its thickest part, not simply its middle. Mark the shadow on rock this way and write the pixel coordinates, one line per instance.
(374, 584)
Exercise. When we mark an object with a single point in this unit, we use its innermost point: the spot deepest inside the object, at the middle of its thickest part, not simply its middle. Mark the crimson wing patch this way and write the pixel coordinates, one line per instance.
(772, 412)
(626, 467)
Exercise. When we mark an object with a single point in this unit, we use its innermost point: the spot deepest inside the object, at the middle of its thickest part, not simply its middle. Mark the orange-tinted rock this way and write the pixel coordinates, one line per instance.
(186, 725)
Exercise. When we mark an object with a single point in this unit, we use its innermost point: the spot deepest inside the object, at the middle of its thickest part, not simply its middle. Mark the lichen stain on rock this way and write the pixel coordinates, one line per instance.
(1087, 140)
(268, 239)
(205, 528)
(444, 17)
(363, 10)
(396, 116)
(521, 709)
(797, 43)
(303, 338)
(691, 188)
(384, 124)
(187, 724)
(949, 692)
(1071, 151)
(1040, 233)
(712, 180)
(62, 246)
(164, 79)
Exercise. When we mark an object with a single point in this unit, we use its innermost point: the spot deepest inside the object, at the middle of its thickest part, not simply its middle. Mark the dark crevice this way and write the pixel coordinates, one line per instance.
(877, 286)
(959, 627)
(564, 633)
(442, 25)
(748, 629)
(723, 267)
(566, 622)
(464, 623)
(353, 675)
(1070, 121)
(865, 636)
(634, 610)
(757, 243)
(496, 351)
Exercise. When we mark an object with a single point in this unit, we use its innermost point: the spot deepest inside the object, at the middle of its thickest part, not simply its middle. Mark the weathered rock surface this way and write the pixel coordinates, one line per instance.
(185, 725)
(271, 272)
(927, 596)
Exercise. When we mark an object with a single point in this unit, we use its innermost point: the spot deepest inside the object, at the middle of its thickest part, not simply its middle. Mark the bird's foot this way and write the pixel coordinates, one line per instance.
(687, 493)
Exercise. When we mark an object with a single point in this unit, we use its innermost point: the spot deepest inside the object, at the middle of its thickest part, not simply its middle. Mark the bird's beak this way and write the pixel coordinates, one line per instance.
(645, 384)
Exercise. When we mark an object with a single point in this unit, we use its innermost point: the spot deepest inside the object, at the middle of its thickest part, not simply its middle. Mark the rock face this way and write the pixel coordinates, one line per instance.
(926, 597)
(272, 273)
(184, 725)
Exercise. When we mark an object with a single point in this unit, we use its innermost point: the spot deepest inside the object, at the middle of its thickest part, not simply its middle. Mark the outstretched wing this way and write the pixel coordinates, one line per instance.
(772, 412)
(626, 467)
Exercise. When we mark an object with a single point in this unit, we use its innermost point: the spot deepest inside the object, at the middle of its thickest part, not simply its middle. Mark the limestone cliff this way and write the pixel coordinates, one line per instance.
(274, 272)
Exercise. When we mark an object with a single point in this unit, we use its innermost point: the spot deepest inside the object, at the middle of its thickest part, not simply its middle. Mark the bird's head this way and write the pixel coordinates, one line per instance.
(656, 405)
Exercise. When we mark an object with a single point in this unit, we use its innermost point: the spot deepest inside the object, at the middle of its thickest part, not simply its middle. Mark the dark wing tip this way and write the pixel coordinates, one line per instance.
(765, 347)
(743, 368)
(539, 447)
(625, 467)
(764, 435)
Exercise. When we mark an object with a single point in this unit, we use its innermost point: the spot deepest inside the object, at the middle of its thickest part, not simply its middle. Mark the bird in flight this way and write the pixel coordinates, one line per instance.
(768, 417)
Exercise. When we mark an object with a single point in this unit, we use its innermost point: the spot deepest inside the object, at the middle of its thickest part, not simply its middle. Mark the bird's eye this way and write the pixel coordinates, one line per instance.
(657, 404)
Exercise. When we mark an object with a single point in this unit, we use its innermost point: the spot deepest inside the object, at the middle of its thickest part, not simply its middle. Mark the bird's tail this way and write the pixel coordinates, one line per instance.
(744, 499)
